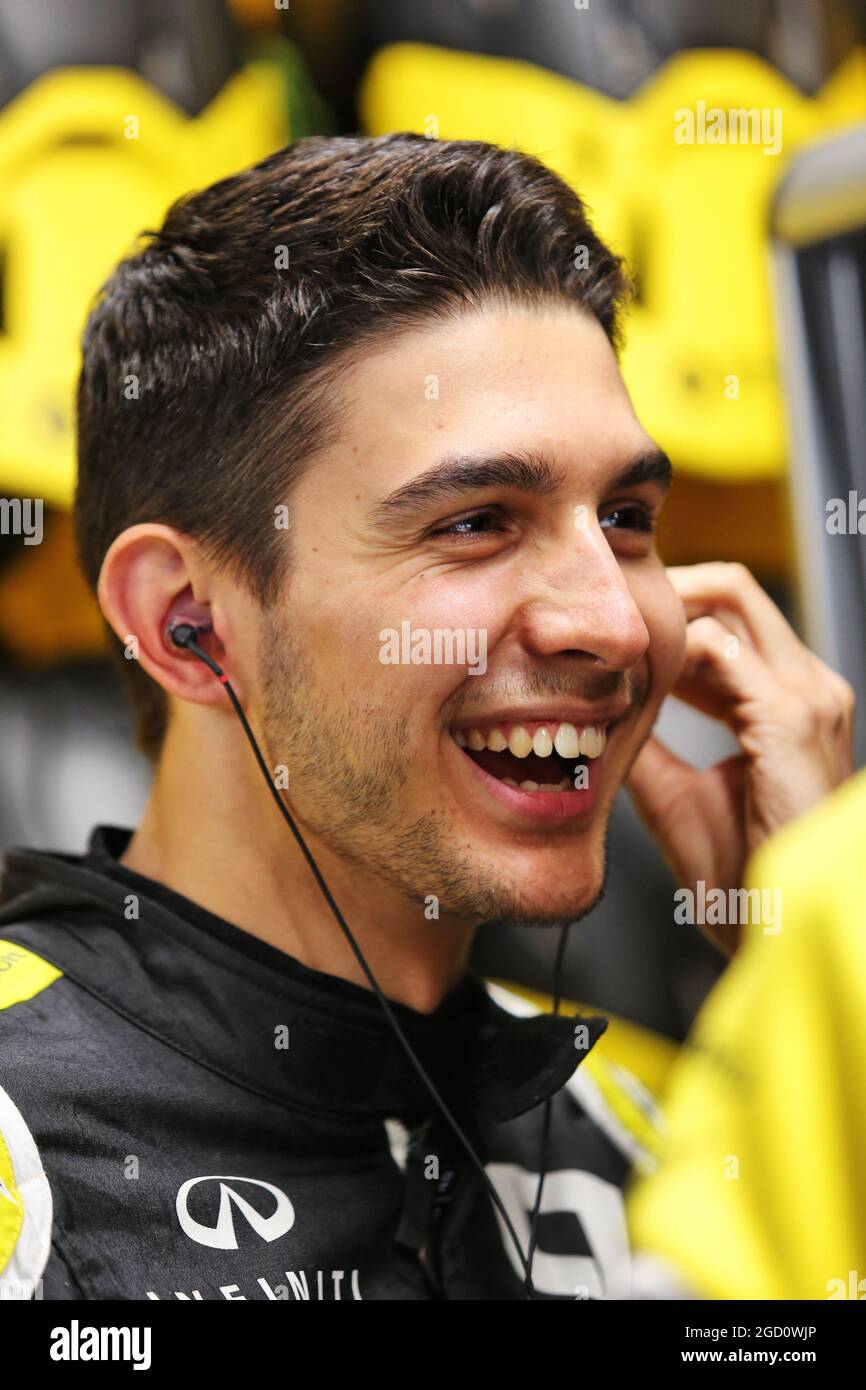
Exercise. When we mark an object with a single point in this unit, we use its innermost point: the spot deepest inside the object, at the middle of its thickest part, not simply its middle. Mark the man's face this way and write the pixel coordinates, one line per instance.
(481, 492)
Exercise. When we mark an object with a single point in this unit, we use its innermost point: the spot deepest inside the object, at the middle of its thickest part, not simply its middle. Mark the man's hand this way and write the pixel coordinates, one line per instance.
(792, 716)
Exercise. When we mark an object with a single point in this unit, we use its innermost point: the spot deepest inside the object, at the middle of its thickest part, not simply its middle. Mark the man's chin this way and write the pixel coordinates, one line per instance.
(554, 897)
(517, 892)
(521, 905)
(544, 913)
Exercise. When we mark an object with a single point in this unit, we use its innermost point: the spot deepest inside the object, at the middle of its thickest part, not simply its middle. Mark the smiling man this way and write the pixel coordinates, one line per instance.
(368, 387)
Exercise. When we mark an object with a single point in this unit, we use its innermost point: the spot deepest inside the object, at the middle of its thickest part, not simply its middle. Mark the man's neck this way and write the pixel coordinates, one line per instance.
(210, 831)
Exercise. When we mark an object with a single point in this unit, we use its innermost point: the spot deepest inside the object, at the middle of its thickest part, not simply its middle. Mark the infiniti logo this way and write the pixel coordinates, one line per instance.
(222, 1235)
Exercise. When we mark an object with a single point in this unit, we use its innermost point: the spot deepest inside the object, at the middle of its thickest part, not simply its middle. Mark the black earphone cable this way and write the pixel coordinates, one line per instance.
(545, 1127)
(185, 635)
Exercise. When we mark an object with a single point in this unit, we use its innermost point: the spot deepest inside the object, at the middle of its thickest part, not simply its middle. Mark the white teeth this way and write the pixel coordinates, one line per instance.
(509, 782)
(567, 742)
(592, 741)
(542, 743)
(519, 742)
(529, 786)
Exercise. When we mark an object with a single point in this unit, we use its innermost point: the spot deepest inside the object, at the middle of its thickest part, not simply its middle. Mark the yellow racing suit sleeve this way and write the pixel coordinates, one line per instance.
(759, 1191)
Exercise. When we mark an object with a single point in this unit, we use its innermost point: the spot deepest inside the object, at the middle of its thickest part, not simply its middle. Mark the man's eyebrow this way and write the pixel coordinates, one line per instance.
(651, 466)
(447, 479)
(526, 471)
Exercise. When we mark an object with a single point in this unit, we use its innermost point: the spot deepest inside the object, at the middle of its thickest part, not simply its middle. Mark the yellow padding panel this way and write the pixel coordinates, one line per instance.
(23, 974)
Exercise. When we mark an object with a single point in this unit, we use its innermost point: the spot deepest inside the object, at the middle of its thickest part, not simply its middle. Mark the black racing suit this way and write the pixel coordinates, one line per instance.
(188, 1112)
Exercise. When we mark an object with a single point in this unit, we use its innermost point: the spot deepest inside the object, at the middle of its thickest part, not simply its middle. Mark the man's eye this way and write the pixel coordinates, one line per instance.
(635, 516)
(476, 524)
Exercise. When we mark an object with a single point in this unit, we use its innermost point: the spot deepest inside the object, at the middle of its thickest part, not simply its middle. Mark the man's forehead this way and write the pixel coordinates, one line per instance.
(482, 351)
(542, 395)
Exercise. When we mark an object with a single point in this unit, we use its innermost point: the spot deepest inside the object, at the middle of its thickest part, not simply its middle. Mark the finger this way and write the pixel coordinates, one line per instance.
(835, 703)
(720, 673)
(739, 688)
(731, 593)
(839, 693)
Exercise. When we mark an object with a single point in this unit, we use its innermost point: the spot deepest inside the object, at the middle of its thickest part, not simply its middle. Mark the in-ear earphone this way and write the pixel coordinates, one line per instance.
(181, 633)
(185, 635)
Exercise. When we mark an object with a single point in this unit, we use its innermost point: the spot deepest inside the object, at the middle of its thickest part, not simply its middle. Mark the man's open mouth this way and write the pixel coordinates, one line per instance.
(538, 756)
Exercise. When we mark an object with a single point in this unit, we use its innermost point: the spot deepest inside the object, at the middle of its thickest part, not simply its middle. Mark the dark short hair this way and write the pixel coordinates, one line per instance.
(211, 357)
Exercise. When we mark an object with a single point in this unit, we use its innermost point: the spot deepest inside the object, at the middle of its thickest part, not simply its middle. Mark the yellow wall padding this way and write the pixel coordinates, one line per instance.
(90, 157)
(700, 359)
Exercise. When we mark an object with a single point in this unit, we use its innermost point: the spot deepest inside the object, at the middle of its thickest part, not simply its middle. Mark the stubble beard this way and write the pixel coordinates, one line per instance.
(348, 764)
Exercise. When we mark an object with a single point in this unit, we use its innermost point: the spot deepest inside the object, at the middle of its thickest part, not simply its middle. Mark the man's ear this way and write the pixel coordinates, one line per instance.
(151, 578)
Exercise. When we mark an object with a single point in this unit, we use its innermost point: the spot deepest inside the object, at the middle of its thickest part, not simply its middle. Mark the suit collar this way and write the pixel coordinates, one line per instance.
(245, 1009)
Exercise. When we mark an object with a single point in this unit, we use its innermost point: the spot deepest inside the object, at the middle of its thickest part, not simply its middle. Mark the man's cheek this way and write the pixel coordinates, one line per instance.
(667, 629)
(407, 697)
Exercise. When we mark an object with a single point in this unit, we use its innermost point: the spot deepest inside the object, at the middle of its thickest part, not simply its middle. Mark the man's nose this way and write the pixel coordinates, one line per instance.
(580, 603)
